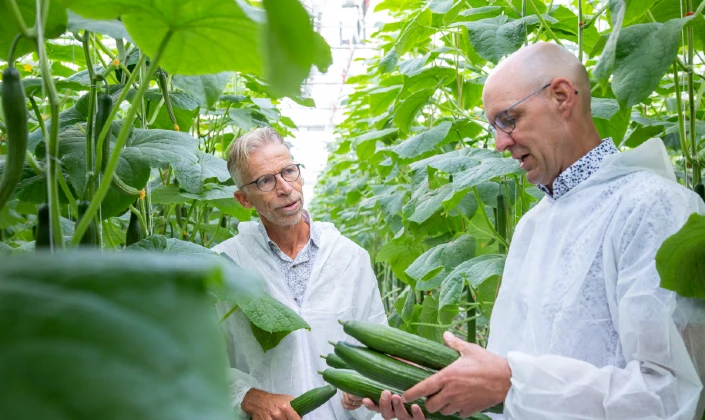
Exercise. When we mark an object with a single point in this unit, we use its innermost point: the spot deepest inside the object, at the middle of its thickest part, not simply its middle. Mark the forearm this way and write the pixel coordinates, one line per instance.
(554, 387)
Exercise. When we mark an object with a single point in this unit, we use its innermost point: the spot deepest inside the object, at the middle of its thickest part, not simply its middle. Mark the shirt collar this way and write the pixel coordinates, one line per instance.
(580, 170)
(315, 235)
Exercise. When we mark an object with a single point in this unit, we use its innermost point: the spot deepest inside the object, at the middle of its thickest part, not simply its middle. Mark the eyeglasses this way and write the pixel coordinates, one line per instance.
(505, 122)
(267, 183)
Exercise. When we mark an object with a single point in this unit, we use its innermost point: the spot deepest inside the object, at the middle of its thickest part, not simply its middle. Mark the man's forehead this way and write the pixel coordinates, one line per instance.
(269, 159)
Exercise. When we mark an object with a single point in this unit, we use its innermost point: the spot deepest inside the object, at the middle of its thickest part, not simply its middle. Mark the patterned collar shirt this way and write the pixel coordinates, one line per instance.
(296, 272)
(580, 170)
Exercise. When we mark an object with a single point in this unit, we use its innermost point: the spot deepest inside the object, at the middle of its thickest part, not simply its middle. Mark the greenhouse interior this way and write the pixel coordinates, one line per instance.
(352, 209)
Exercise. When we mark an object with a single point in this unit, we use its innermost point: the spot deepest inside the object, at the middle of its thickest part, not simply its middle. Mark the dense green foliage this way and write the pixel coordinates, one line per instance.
(414, 177)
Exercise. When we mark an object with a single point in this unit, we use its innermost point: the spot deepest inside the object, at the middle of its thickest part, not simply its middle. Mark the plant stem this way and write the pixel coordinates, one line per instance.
(67, 192)
(544, 23)
(681, 122)
(470, 315)
(52, 141)
(19, 21)
(691, 102)
(481, 207)
(119, 143)
(580, 30)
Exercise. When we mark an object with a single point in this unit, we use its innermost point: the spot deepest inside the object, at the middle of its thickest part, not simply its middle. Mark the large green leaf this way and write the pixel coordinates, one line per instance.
(208, 36)
(270, 316)
(427, 204)
(399, 253)
(219, 196)
(56, 21)
(417, 31)
(644, 54)
(475, 271)
(496, 37)
(113, 27)
(406, 111)
(205, 88)
(291, 46)
(681, 259)
(423, 142)
(430, 315)
(135, 331)
(444, 257)
(485, 171)
(605, 67)
(191, 166)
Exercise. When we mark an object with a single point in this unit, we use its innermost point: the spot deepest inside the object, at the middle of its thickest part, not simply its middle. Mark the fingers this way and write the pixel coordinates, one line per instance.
(370, 405)
(385, 405)
(416, 413)
(351, 402)
(291, 414)
(399, 409)
(428, 386)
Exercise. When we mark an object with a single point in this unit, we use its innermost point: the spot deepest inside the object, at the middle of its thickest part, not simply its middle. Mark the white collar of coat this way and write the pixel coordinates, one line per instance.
(649, 156)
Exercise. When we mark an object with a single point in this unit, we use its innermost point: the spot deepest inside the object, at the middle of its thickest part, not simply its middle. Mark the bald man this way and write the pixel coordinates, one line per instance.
(580, 328)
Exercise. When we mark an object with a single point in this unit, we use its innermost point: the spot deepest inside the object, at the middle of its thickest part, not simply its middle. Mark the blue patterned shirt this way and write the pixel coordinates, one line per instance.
(580, 170)
(296, 272)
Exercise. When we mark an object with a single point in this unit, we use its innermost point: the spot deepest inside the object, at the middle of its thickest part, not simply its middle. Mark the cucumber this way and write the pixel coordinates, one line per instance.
(15, 110)
(334, 361)
(396, 342)
(381, 368)
(354, 383)
(91, 237)
(311, 400)
(134, 230)
(42, 237)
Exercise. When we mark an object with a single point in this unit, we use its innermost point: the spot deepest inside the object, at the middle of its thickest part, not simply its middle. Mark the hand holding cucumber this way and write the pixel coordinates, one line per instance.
(261, 405)
(475, 382)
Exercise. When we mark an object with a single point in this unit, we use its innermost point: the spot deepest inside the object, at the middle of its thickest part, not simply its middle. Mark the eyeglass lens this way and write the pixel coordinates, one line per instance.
(268, 182)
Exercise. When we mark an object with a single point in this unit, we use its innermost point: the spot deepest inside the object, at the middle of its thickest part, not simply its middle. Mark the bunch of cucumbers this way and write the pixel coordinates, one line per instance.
(366, 371)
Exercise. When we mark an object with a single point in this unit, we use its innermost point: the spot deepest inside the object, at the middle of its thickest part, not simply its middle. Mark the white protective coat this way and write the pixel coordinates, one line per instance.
(587, 330)
(342, 286)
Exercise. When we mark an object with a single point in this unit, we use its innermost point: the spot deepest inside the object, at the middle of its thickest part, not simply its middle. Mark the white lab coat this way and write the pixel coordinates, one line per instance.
(587, 330)
(342, 286)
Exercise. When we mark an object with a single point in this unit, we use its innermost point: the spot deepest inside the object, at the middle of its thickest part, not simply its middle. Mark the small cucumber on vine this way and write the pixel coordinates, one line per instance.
(134, 229)
(164, 87)
(105, 106)
(311, 400)
(700, 190)
(15, 117)
(42, 237)
(89, 238)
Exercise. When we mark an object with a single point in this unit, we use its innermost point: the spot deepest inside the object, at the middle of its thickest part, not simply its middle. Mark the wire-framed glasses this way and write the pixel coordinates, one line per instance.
(266, 183)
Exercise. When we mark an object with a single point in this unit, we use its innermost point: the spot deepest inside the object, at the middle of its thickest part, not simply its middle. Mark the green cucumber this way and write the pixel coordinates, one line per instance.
(700, 190)
(334, 361)
(134, 229)
(398, 343)
(354, 383)
(91, 237)
(42, 237)
(311, 400)
(105, 105)
(381, 368)
(15, 110)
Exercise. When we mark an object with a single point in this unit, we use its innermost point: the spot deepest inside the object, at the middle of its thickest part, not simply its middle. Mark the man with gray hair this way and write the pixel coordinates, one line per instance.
(307, 265)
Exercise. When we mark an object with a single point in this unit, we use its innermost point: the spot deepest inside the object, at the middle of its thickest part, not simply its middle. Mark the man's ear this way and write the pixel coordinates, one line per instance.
(242, 199)
(565, 95)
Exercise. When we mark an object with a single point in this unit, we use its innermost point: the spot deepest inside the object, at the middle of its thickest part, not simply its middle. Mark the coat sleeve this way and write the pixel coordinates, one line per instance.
(372, 310)
(659, 380)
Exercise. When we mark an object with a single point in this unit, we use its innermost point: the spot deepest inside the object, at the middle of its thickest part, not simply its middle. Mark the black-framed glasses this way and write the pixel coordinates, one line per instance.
(505, 122)
(266, 183)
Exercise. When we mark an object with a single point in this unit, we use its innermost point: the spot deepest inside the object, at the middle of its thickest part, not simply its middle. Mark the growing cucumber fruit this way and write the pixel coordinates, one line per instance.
(381, 368)
(15, 117)
(42, 238)
(334, 361)
(699, 189)
(354, 383)
(89, 238)
(311, 400)
(134, 230)
(396, 342)
(105, 106)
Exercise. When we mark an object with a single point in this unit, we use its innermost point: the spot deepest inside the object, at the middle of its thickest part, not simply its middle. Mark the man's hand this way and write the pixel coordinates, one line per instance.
(262, 405)
(391, 407)
(351, 402)
(474, 382)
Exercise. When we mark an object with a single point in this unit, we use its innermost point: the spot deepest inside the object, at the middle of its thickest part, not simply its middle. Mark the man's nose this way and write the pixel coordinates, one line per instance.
(283, 186)
(502, 141)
